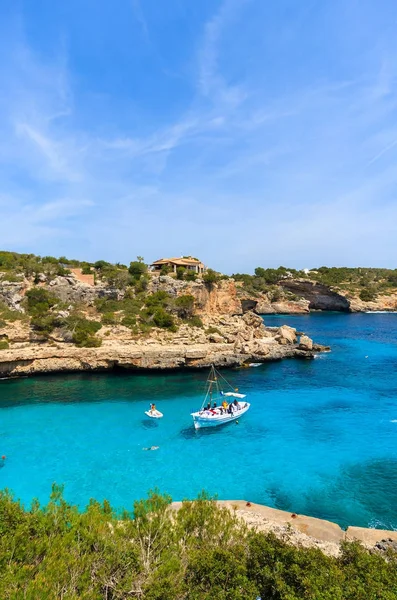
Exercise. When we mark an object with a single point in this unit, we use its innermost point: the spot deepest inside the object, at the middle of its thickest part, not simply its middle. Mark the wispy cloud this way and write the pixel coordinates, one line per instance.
(140, 17)
(266, 152)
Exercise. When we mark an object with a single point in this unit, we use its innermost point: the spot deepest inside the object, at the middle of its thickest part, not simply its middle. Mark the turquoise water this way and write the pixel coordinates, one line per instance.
(319, 438)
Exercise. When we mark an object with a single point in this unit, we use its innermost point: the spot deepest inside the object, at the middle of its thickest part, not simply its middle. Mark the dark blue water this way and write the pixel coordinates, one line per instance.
(320, 438)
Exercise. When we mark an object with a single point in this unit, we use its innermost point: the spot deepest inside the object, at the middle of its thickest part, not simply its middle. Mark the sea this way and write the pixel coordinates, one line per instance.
(320, 438)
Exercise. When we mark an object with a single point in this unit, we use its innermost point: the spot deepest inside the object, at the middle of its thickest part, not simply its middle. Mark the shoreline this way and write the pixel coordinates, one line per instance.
(36, 360)
(303, 530)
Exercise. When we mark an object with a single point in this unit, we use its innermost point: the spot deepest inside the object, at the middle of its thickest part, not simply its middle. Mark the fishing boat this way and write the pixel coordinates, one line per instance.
(219, 407)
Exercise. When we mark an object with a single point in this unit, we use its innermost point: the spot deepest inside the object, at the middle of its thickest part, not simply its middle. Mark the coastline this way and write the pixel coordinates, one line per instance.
(302, 530)
(35, 360)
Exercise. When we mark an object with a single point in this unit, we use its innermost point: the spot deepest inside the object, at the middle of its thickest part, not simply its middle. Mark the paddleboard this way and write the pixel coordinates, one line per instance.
(154, 414)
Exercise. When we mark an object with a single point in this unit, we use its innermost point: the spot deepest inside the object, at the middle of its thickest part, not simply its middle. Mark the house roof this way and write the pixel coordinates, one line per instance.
(177, 261)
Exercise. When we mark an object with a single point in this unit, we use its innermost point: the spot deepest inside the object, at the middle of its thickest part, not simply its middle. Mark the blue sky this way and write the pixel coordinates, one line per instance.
(244, 132)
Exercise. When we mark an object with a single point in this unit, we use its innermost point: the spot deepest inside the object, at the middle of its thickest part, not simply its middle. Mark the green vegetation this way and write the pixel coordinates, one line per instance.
(201, 552)
(83, 331)
(367, 283)
(9, 316)
(4, 345)
(184, 306)
(212, 329)
(211, 276)
(195, 321)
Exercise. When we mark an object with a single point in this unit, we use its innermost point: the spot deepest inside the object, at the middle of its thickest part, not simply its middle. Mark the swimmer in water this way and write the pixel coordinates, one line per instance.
(152, 448)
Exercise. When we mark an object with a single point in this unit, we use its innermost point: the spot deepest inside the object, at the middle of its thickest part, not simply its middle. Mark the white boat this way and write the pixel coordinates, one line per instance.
(219, 407)
(154, 413)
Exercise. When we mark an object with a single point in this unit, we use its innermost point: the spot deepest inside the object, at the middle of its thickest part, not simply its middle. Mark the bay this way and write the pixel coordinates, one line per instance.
(319, 439)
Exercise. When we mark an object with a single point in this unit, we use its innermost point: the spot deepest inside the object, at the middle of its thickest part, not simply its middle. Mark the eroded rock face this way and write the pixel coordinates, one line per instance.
(305, 343)
(12, 293)
(319, 296)
(286, 334)
(238, 340)
(210, 299)
(69, 289)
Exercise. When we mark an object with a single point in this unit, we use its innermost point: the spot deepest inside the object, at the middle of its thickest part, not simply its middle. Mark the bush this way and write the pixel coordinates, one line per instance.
(180, 272)
(4, 345)
(129, 321)
(195, 321)
(39, 301)
(212, 329)
(109, 318)
(158, 299)
(165, 270)
(83, 332)
(161, 318)
(200, 552)
(367, 295)
(190, 275)
(184, 306)
(137, 268)
(46, 324)
(211, 276)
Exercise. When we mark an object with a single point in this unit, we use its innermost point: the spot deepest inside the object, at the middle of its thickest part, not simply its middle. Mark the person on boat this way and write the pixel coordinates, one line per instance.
(153, 408)
(236, 404)
(209, 406)
(224, 407)
(213, 409)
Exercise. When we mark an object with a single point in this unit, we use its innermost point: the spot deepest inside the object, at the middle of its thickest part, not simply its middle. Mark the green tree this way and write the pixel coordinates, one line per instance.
(211, 276)
(180, 272)
(137, 268)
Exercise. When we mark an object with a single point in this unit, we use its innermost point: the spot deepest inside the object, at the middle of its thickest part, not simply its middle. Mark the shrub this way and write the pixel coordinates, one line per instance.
(83, 331)
(161, 318)
(9, 315)
(195, 321)
(200, 552)
(137, 268)
(47, 323)
(184, 306)
(367, 295)
(190, 275)
(39, 301)
(211, 276)
(109, 318)
(129, 321)
(158, 299)
(165, 269)
(180, 272)
(4, 345)
(212, 329)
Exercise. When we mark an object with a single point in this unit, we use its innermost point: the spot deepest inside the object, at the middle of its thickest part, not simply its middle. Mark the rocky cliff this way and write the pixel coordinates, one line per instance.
(228, 341)
(300, 296)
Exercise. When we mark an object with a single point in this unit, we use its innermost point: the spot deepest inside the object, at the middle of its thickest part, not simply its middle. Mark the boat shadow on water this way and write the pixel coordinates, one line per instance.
(190, 433)
(150, 423)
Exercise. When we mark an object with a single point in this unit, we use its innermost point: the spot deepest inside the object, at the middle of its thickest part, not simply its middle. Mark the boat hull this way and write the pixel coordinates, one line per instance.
(201, 419)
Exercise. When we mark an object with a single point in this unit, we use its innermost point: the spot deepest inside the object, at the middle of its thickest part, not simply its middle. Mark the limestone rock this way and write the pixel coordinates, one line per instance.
(305, 343)
(286, 334)
(215, 338)
(12, 293)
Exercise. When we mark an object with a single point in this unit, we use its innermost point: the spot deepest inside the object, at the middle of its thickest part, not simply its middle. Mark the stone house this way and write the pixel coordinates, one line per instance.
(186, 262)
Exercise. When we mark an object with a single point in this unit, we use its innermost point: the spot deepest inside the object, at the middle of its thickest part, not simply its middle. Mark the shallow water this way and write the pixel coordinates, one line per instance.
(319, 439)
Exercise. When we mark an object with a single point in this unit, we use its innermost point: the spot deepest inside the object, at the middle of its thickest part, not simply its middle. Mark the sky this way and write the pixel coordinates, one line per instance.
(244, 132)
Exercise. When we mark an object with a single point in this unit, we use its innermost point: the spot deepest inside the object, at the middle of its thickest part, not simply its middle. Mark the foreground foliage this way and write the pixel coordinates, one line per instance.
(201, 552)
